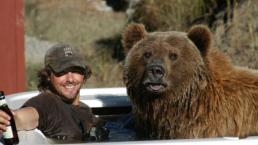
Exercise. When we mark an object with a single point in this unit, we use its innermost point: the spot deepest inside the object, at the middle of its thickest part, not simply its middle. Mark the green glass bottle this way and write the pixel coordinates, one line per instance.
(10, 136)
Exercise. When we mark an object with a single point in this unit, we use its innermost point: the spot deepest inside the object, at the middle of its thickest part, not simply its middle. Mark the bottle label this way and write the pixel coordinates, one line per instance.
(2, 102)
(8, 133)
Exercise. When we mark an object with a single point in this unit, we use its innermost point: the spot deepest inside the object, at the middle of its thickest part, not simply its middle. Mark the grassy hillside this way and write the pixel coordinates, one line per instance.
(233, 22)
(84, 23)
(81, 24)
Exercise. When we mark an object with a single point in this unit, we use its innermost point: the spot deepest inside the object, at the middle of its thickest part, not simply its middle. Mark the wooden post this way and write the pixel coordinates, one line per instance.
(12, 57)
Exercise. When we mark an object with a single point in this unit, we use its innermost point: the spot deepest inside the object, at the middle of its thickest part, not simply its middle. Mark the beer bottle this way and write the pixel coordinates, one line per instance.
(10, 136)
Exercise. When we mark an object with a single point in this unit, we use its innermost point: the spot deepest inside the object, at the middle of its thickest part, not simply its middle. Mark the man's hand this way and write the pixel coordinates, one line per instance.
(4, 121)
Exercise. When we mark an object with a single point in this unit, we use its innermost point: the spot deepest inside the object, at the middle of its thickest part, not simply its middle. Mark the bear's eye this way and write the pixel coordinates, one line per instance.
(147, 55)
(173, 56)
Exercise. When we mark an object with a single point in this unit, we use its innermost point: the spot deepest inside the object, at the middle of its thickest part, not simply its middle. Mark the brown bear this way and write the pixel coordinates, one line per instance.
(182, 87)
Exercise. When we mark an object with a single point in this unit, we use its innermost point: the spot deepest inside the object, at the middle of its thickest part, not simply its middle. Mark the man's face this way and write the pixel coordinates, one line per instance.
(68, 84)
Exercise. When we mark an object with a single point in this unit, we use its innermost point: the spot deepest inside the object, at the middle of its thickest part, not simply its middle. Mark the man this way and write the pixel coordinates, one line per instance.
(57, 110)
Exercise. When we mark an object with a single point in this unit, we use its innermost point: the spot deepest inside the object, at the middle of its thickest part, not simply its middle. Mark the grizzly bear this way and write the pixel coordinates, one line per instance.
(182, 87)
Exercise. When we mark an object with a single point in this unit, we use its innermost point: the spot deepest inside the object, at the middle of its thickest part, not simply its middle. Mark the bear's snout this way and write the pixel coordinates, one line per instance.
(154, 78)
(155, 72)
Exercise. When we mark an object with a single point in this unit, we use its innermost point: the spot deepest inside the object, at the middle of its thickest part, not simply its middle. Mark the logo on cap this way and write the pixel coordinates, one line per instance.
(68, 51)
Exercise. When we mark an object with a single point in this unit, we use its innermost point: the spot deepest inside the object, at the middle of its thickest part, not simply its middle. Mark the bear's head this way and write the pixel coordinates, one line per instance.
(164, 64)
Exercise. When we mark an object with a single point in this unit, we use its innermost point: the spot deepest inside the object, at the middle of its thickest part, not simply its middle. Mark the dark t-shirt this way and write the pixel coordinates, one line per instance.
(60, 120)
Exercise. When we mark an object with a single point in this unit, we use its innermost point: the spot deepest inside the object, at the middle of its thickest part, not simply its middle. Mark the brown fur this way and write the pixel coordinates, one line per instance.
(201, 95)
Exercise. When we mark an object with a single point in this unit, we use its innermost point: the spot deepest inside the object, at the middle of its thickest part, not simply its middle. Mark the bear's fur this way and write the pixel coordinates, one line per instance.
(182, 87)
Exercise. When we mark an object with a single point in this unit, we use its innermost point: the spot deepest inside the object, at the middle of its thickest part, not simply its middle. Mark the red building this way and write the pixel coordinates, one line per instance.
(12, 64)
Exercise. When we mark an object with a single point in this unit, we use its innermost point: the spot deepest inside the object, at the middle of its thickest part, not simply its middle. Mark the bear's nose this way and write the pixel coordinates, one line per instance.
(155, 72)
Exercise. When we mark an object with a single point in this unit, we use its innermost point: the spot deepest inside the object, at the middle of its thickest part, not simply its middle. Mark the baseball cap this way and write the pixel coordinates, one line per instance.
(63, 56)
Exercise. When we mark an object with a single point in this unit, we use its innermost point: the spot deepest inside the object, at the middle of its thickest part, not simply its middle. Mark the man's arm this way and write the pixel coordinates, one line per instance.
(26, 118)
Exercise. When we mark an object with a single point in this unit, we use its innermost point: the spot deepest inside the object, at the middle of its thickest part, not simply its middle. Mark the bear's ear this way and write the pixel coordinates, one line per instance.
(132, 34)
(201, 37)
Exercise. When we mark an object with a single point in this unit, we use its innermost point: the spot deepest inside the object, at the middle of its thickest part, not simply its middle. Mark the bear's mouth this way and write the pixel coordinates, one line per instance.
(155, 87)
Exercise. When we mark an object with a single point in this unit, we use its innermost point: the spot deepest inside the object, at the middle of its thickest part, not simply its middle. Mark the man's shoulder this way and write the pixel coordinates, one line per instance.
(46, 95)
(83, 105)
(42, 98)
